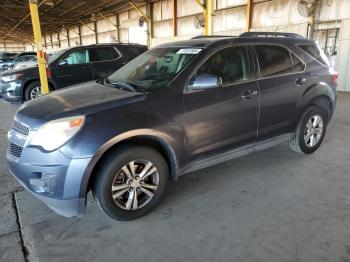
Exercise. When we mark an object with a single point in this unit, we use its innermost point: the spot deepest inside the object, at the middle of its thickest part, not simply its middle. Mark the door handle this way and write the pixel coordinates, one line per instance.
(248, 94)
(300, 81)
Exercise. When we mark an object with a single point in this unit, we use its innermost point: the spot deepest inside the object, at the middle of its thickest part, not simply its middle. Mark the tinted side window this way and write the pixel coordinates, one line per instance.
(103, 54)
(231, 64)
(132, 51)
(273, 60)
(78, 57)
(298, 65)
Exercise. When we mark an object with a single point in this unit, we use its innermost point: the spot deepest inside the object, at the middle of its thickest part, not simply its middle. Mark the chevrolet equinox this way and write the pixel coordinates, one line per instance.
(177, 108)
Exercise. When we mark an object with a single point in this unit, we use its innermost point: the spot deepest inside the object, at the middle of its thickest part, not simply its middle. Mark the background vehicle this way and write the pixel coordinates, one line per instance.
(30, 63)
(68, 67)
(19, 59)
(175, 109)
(7, 54)
(4, 61)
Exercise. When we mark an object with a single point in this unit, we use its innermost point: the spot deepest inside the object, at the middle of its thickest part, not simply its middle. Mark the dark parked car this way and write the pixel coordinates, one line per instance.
(177, 108)
(68, 67)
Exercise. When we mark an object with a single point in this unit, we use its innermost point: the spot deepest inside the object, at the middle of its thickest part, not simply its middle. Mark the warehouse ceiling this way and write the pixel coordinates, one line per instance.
(55, 15)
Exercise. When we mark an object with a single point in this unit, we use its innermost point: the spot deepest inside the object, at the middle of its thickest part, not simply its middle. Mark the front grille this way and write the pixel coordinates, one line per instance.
(15, 150)
(20, 128)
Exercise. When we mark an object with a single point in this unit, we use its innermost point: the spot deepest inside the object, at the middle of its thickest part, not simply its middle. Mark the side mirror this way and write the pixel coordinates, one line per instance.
(63, 62)
(205, 81)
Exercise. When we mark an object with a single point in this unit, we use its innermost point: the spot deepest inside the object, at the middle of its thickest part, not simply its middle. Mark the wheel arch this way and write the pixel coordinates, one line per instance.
(323, 101)
(320, 95)
(156, 142)
(28, 82)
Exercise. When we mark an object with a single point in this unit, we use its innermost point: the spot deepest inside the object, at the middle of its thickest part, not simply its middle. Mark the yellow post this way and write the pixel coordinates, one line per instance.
(249, 14)
(208, 10)
(33, 5)
(208, 17)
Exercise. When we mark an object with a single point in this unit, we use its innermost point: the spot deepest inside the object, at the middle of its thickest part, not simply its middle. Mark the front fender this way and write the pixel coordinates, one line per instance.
(165, 140)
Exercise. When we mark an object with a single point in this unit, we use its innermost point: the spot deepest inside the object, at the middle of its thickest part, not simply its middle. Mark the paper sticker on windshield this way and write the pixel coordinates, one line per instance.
(188, 51)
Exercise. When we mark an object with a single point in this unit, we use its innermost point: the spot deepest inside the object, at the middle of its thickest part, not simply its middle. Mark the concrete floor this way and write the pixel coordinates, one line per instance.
(274, 205)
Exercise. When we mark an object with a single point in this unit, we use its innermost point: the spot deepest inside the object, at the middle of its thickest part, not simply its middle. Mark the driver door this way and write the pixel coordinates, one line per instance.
(225, 117)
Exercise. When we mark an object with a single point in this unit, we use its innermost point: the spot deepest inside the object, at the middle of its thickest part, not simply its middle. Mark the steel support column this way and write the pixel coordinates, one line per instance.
(148, 16)
(33, 6)
(249, 14)
(174, 17)
(68, 37)
(80, 37)
(208, 11)
(59, 40)
(96, 34)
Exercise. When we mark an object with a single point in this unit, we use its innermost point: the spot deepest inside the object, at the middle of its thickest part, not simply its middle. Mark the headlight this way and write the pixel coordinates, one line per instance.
(56, 133)
(10, 78)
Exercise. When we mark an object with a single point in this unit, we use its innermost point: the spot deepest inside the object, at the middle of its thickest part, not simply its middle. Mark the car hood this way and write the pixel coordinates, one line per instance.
(82, 99)
(20, 71)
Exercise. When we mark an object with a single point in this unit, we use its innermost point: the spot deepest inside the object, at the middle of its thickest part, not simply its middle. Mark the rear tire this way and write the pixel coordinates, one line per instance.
(32, 91)
(130, 182)
(311, 131)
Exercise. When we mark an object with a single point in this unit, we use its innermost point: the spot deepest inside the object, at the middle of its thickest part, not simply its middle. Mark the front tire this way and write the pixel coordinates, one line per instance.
(32, 91)
(310, 131)
(130, 182)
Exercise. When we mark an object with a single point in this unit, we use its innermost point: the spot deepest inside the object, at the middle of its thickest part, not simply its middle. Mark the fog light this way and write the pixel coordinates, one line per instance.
(43, 182)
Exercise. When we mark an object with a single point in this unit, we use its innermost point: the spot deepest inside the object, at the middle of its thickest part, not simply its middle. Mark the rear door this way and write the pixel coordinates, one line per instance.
(226, 117)
(73, 68)
(105, 61)
(281, 84)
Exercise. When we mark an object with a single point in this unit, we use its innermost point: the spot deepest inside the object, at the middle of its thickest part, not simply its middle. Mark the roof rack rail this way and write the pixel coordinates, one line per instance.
(212, 36)
(271, 34)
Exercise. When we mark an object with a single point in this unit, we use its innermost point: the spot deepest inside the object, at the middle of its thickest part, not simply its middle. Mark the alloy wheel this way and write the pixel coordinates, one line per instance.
(36, 92)
(313, 131)
(135, 184)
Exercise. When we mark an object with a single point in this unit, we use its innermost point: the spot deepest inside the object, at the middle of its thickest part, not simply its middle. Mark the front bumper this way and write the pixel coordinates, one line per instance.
(63, 207)
(51, 177)
(11, 91)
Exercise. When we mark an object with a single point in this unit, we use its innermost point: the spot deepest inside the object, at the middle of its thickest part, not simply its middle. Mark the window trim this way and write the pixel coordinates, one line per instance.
(118, 52)
(291, 59)
(252, 67)
(274, 76)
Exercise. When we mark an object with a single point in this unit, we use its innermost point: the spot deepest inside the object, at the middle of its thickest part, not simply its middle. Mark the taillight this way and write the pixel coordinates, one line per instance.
(335, 79)
(48, 72)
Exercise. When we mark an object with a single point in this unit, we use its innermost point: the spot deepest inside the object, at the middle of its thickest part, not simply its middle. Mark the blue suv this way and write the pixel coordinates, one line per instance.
(177, 108)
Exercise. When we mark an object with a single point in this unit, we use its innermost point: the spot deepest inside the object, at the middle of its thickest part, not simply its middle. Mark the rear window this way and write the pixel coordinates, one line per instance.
(273, 60)
(316, 53)
(103, 54)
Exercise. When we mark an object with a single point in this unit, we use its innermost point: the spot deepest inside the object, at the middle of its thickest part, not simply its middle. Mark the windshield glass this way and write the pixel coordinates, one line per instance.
(154, 69)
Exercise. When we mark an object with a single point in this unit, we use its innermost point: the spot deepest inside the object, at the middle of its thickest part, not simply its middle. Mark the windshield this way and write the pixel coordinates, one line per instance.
(154, 69)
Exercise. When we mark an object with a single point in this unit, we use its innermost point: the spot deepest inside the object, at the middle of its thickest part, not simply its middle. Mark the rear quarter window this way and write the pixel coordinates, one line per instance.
(100, 54)
(132, 51)
(316, 53)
